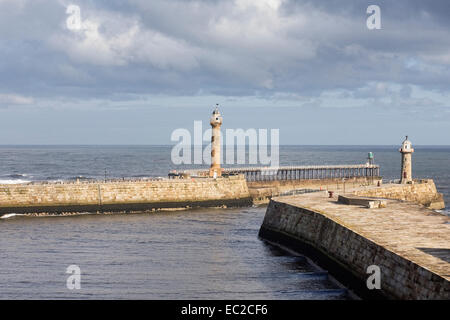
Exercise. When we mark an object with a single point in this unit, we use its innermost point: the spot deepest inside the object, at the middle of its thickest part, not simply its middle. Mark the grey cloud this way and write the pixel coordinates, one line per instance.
(186, 47)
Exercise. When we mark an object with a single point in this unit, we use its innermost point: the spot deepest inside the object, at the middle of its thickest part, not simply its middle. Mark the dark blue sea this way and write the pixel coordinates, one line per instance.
(195, 254)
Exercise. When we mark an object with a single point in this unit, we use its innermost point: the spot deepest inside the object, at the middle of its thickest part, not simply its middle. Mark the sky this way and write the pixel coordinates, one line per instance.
(132, 72)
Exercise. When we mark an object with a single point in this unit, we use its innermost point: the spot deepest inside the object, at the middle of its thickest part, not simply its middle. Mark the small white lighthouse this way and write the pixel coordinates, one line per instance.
(406, 150)
(216, 122)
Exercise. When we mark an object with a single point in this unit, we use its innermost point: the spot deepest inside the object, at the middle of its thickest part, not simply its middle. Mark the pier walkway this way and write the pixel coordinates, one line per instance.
(409, 243)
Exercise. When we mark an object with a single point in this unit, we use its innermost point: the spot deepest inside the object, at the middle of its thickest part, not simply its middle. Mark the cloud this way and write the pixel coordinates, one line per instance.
(267, 48)
(95, 44)
(14, 99)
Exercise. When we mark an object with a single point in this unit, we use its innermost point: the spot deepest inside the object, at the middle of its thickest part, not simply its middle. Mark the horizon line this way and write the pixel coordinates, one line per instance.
(245, 145)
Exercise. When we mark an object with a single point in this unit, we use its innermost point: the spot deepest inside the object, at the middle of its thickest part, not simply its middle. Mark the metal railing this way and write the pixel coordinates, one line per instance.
(298, 172)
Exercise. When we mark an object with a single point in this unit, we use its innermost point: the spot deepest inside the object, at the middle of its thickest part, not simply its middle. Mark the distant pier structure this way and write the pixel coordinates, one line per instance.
(406, 150)
(253, 174)
(306, 172)
(298, 172)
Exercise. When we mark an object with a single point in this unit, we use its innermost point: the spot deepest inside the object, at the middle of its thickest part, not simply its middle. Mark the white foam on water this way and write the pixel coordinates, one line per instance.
(445, 211)
(13, 181)
(10, 215)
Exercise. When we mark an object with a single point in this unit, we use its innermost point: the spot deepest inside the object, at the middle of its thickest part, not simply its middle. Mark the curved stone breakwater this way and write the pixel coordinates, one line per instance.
(406, 241)
(66, 198)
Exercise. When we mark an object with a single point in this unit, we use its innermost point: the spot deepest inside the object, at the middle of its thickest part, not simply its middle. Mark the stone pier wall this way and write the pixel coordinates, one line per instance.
(123, 195)
(347, 254)
(421, 191)
(262, 191)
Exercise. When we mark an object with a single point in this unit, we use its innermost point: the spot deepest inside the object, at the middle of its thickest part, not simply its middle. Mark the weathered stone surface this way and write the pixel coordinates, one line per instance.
(122, 195)
(354, 238)
(364, 202)
(262, 191)
(422, 191)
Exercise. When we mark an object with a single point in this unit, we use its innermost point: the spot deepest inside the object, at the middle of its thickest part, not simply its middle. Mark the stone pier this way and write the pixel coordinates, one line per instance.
(408, 242)
(123, 196)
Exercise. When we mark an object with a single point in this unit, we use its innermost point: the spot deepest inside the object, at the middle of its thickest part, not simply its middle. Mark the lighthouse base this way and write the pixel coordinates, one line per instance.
(215, 172)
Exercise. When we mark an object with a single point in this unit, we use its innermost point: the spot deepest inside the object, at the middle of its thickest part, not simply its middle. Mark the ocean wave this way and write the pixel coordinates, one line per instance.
(445, 211)
(13, 181)
(10, 215)
(16, 175)
(80, 178)
(52, 178)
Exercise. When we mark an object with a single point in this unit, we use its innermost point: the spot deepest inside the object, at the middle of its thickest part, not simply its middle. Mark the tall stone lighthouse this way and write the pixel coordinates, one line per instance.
(406, 150)
(216, 122)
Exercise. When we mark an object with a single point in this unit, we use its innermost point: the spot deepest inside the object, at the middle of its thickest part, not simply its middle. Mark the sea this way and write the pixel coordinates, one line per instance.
(207, 253)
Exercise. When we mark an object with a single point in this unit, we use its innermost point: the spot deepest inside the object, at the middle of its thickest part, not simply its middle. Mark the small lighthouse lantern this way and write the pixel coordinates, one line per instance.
(370, 158)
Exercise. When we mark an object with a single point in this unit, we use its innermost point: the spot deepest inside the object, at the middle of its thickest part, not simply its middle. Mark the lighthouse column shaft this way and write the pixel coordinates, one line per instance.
(406, 150)
(216, 122)
(215, 151)
(406, 168)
